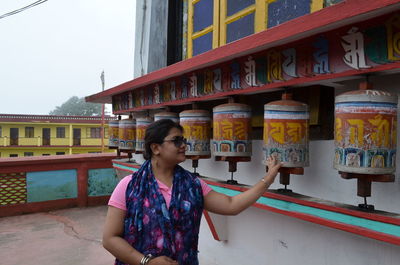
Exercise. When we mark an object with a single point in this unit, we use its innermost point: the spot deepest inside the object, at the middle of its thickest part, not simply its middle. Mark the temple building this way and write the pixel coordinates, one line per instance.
(313, 82)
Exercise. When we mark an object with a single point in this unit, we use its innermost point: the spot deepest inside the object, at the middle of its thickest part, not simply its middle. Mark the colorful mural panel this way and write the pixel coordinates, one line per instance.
(101, 182)
(51, 185)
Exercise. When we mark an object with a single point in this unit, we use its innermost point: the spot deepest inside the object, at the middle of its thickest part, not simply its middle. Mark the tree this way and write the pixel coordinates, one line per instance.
(77, 107)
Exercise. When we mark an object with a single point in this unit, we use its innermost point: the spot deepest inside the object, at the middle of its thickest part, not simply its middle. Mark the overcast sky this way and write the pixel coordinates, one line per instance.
(58, 49)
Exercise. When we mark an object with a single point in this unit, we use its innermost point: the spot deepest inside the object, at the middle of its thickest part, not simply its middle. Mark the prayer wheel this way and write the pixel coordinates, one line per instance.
(286, 131)
(166, 115)
(127, 135)
(113, 139)
(365, 132)
(141, 126)
(231, 130)
(197, 130)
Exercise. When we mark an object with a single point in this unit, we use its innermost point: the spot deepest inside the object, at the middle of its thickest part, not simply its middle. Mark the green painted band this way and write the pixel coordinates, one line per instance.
(381, 227)
(133, 169)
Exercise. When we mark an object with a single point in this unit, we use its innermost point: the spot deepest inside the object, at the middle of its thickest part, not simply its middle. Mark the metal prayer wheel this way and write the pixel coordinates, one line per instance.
(113, 139)
(197, 130)
(365, 132)
(141, 126)
(127, 135)
(286, 132)
(166, 115)
(231, 130)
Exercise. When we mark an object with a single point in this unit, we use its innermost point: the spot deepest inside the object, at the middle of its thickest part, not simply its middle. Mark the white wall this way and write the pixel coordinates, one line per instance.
(151, 36)
(261, 237)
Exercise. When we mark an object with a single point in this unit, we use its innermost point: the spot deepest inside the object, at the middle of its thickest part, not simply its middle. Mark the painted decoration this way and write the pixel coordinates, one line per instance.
(101, 181)
(365, 132)
(166, 115)
(231, 130)
(141, 125)
(286, 132)
(12, 188)
(51, 185)
(113, 138)
(127, 135)
(197, 130)
(361, 46)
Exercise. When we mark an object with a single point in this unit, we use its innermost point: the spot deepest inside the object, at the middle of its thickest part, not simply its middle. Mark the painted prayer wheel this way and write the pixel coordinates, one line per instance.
(286, 131)
(197, 130)
(113, 139)
(141, 126)
(166, 115)
(231, 130)
(127, 135)
(365, 132)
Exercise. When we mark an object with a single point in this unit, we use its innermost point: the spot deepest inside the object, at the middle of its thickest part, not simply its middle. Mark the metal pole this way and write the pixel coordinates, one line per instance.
(102, 115)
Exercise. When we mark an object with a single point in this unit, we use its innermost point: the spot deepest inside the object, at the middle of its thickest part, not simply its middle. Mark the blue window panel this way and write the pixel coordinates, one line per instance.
(240, 28)
(203, 14)
(51, 185)
(202, 44)
(285, 10)
(234, 6)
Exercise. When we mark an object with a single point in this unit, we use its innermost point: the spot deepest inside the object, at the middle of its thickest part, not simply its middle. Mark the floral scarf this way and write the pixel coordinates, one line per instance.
(152, 228)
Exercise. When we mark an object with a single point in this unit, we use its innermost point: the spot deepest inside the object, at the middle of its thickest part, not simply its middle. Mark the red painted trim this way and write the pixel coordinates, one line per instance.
(55, 159)
(24, 118)
(126, 164)
(98, 200)
(344, 13)
(49, 147)
(34, 207)
(82, 176)
(369, 216)
(344, 227)
(211, 225)
(365, 215)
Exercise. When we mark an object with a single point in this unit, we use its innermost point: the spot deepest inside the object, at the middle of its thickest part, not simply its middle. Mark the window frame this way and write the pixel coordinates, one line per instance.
(60, 132)
(95, 132)
(29, 132)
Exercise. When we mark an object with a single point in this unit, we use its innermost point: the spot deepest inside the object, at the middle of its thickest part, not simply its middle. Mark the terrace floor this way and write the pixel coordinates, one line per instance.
(63, 237)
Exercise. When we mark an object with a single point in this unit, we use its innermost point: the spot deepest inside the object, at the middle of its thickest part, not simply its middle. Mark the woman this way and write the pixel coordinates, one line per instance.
(154, 215)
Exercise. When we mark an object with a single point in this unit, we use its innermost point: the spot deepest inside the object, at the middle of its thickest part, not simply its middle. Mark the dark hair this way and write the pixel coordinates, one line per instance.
(156, 133)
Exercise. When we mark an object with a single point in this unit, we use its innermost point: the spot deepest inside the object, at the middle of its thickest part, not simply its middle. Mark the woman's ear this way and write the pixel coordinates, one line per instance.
(155, 148)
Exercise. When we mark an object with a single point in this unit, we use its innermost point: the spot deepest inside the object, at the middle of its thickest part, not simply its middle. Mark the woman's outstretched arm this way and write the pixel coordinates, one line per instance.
(222, 204)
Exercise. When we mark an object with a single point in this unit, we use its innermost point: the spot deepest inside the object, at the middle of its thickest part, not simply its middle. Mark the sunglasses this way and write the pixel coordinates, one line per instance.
(178, 141)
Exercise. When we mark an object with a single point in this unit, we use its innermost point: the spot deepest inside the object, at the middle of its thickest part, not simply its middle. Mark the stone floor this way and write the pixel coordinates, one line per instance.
(64, 237)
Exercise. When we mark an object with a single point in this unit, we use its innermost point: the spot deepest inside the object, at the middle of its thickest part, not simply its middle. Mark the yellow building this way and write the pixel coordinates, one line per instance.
(40, 135)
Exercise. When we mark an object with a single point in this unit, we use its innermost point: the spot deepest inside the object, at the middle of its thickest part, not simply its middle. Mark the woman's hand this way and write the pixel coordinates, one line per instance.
(162, 260)
(273, 166)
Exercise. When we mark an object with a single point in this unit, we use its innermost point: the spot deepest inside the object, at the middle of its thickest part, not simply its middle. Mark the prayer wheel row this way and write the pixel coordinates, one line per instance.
(365, 131)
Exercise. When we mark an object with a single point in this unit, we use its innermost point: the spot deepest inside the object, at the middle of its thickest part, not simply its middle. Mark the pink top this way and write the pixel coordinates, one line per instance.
(118, 200)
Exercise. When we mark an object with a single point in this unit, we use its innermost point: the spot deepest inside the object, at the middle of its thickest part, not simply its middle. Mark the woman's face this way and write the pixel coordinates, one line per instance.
(169, 151)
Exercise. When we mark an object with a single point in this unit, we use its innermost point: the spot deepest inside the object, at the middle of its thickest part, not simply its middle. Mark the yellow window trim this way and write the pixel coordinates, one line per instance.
(214, 27)
(240, 14)
(202, 32)
(316, 5)
(220, 20)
